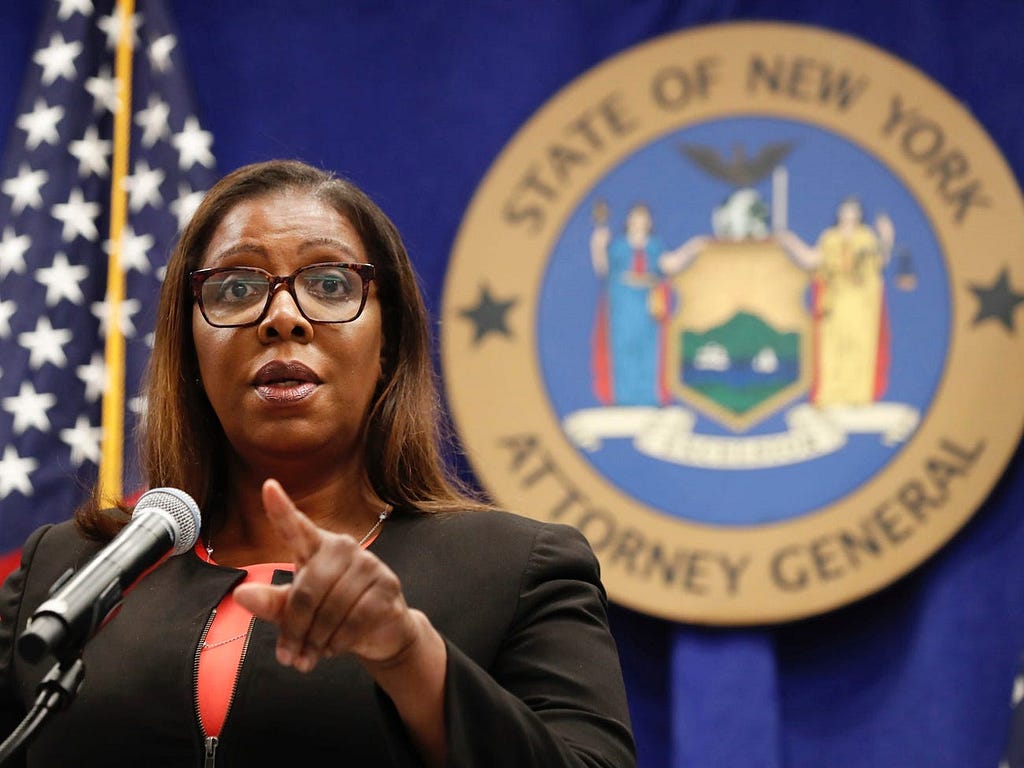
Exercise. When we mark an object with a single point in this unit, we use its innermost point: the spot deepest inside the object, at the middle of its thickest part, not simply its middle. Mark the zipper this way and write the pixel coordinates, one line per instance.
(210, 752)
(209, 742)
(238, 672)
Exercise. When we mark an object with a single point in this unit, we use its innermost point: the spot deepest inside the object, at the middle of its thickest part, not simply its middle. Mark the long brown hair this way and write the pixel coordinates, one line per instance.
(181, 441)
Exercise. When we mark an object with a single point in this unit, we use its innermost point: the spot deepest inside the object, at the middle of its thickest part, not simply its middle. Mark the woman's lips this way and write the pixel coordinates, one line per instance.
(286, 391)
(285, 381)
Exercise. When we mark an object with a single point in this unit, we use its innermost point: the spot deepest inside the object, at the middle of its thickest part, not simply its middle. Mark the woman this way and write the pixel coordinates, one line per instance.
(851, 365)
(629, 337)
(406, 624)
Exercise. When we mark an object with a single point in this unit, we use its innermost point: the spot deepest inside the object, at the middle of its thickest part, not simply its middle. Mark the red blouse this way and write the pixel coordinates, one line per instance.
(221, 653)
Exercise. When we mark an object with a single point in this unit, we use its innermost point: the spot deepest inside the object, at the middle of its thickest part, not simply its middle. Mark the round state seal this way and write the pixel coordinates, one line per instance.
(741, 304)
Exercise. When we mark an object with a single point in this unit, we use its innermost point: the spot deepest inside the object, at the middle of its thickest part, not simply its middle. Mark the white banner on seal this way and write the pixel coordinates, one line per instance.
(667, 433)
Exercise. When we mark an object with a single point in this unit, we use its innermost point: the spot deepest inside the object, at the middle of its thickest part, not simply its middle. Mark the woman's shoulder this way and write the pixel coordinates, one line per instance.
(58, 545)
(487, 521)
(498, 536)
(47, 554)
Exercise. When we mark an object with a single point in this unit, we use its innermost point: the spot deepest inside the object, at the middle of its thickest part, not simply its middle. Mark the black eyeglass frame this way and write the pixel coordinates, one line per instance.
(198, 277)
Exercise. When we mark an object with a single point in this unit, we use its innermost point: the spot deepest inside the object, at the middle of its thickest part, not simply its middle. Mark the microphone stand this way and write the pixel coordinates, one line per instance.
(55, 692)
(64, 623)
(52, 634)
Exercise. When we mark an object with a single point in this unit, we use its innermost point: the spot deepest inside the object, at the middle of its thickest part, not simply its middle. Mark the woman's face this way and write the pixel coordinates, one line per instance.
(289, 388)
(850, 214)
(638, 221)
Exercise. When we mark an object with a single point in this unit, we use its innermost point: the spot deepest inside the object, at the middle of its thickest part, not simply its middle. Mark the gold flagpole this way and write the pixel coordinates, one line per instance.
(112, 458)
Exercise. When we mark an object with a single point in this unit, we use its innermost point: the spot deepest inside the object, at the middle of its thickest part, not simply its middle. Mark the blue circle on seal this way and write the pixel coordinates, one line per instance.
(823, 170)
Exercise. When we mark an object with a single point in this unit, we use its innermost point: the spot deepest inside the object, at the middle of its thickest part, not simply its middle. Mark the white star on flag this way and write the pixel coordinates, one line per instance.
(153, 120)
(45, 344)
(185, 204)
(103, 89)
(29, 408)
(160, 52)
(84, 440)
(134, 250)
(92, 152)
(111, 27)
(14, 472)
(143, 186)
(94, 376)
(12, 252)
(23, 189)
(62, 281)
(71, 7)
(193, 145)
(58, 60)
(79, 217)
(128, 307)
(41, 124)
(7, 310)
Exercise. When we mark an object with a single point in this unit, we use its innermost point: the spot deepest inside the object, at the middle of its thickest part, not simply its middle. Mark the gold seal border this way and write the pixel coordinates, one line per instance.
(724, 575)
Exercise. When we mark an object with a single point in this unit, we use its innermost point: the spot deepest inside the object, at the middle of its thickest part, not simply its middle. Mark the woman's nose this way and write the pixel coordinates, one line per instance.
(283, 318)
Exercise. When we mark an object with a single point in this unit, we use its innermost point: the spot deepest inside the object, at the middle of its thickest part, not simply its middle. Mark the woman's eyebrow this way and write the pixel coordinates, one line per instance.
(232, 250)
(331, 242)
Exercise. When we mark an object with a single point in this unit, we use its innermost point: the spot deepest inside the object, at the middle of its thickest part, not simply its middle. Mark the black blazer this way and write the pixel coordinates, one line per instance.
(533, 675)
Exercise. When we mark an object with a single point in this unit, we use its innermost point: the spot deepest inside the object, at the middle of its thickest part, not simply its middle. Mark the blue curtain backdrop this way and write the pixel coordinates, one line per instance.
(414, 100)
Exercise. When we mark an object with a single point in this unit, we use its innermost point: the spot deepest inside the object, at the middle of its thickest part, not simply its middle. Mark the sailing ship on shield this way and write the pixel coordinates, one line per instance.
(740, 324)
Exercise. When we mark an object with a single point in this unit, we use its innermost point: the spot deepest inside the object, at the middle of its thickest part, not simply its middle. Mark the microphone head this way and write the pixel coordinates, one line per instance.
(178, 509)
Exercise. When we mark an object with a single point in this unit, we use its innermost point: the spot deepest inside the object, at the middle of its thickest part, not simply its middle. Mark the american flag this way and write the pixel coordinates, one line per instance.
(55, 240)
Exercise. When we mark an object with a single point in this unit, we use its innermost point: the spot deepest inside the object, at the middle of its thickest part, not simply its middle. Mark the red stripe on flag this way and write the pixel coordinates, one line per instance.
(8, 563)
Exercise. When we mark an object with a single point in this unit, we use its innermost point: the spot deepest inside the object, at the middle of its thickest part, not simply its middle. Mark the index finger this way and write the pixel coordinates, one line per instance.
(297, 530)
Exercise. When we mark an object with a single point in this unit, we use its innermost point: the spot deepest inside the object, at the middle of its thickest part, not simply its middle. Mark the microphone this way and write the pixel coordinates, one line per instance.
(165, 519)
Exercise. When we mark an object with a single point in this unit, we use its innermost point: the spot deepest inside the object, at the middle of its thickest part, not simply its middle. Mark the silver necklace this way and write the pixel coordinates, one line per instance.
(384, 515)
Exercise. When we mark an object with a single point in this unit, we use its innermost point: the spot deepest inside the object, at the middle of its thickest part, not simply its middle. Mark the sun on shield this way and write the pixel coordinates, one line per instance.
(738, 346)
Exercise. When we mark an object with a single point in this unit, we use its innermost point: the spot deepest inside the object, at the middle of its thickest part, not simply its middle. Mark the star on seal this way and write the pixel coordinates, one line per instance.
(488, 316)
(997, 301)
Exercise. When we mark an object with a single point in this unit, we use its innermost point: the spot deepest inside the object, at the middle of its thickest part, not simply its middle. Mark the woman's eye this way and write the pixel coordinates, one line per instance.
(333, 286)
(235, 289)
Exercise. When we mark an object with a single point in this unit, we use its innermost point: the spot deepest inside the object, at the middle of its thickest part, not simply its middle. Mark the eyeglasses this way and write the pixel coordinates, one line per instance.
(236, 297)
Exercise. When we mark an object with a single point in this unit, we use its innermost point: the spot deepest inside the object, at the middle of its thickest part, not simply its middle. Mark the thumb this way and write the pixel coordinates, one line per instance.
(264, 601)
